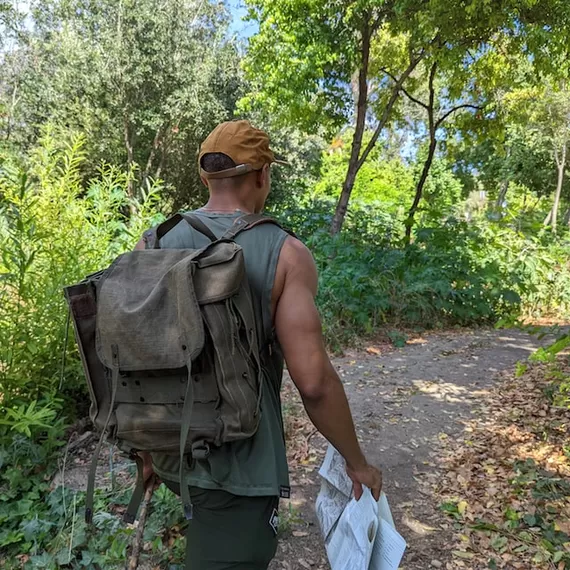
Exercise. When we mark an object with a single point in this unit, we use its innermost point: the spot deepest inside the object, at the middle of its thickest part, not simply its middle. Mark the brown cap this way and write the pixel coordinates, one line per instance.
(247, 146)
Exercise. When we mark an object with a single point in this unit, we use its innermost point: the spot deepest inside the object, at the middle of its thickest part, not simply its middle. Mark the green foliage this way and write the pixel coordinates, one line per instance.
(388, 181)
(559, 389)
(456, 272)
(53, 232)
(145, 82)
(44, 527)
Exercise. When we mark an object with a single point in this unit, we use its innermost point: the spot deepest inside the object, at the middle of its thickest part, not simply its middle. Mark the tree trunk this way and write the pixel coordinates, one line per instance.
(560, 181)
(433, 126)
(128, 139)
(566, 219)
(548, 218)
(420, 188)
(504, 188)
(11, 114)
(361, 109)
(156, 144)
(356, 160)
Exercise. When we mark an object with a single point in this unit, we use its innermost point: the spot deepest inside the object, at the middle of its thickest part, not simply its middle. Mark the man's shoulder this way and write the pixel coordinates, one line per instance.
(295, 252)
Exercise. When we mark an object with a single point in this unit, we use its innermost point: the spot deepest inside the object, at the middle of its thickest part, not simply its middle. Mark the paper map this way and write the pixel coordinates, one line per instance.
(359, 535)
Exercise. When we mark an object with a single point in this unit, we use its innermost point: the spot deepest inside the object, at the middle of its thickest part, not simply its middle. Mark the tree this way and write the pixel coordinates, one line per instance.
(545, 112)
(146, 81)
(383, 178)
(310, 65)
(309, 58)
(436, 118)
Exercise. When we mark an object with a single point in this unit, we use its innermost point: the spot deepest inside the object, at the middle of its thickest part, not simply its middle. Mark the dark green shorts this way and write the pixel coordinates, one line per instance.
(229, 532)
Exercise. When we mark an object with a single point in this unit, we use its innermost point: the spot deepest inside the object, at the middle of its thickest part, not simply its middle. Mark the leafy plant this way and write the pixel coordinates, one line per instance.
(53, 231)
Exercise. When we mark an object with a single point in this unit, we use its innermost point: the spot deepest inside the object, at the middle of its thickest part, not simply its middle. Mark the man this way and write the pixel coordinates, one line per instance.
(235, 491)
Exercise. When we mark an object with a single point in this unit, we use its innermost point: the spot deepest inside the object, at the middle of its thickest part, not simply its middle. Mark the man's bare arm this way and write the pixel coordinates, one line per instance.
(299, 331)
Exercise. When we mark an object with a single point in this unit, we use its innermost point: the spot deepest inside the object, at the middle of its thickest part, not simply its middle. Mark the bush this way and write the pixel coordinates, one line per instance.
(455, 273)
(41, 527)
(54, 231)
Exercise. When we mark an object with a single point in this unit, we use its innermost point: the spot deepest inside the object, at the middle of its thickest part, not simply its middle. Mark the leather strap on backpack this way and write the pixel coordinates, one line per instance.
(199, 226)
(152, 237)
(247, 222)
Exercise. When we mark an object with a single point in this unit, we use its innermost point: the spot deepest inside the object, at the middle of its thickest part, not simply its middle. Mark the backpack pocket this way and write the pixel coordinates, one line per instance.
(156, 427)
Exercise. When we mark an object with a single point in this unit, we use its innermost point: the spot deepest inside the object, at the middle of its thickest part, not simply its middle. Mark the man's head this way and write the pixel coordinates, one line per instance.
(235, 157)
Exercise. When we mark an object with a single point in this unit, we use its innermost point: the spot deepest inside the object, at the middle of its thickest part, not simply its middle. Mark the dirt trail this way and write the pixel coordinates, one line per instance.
(404, 403)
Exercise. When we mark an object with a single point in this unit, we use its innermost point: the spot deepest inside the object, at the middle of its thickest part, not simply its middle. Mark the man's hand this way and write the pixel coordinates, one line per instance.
(365, 475)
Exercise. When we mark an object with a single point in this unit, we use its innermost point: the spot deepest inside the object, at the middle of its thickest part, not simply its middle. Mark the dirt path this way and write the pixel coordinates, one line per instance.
(404, 403)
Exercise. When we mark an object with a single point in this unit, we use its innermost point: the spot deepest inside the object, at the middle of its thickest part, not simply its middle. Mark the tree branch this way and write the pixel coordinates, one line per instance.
(156, 143)
(451, 111)
(133, 562)
(431, 87)
(405, 91)
(388, 108)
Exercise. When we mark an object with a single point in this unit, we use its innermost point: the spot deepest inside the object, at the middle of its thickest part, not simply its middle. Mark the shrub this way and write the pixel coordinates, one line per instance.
(54, 231)
(455, 273)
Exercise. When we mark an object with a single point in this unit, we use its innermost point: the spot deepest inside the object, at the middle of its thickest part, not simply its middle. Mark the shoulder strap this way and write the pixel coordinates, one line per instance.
(243, 223)
(199, 226)
(247, 222)
(153, 236)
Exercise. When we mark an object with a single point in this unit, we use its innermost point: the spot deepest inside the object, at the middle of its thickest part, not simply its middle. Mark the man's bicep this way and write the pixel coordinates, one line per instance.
(298, 327)
(296, 314)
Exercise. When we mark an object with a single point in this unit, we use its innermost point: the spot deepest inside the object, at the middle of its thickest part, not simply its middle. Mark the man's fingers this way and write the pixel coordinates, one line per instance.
(376, 492)
(357, 487)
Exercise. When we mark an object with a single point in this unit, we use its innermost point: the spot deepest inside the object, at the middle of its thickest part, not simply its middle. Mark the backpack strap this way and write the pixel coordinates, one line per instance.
(89, 496)
(131, 513)
(199, 226)
(247, 222)
(153, 236)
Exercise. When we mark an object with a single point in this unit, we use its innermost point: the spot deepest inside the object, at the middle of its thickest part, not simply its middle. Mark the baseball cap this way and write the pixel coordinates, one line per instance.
(247, 146)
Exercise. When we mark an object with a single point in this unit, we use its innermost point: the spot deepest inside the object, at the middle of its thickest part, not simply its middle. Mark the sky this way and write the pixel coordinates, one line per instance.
(238, 27)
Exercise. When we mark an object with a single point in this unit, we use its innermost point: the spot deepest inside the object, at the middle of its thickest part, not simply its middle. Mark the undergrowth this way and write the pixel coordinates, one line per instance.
(455, 273)
(507, 485)
(44, 527)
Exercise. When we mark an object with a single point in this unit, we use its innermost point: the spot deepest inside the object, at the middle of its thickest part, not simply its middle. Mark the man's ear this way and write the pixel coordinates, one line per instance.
(262, 175)
(204, 181)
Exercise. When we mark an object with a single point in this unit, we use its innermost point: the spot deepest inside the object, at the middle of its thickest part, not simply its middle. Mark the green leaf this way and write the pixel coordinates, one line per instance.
(530, 520)
(499, 542)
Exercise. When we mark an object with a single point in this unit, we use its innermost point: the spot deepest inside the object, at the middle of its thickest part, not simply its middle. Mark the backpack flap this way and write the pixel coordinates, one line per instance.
(148, 316)
(219, 272)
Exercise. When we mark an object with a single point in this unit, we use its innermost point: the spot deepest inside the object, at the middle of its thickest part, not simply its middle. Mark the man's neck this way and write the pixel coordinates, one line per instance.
(228, 206)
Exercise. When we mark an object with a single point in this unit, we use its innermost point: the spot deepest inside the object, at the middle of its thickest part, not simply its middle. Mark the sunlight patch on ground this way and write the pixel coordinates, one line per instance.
(447, 391)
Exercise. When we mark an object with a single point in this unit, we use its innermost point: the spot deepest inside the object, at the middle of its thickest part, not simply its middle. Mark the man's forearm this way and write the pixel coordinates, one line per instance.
(331, 415)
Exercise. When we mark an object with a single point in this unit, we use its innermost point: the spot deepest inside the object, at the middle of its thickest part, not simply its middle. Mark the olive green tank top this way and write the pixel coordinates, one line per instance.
(256, 466)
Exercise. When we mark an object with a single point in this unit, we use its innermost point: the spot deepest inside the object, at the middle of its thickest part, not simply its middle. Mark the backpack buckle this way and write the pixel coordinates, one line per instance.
(200, 450)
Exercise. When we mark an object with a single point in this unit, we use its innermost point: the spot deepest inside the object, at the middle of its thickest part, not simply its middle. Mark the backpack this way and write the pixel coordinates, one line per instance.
(170, 350)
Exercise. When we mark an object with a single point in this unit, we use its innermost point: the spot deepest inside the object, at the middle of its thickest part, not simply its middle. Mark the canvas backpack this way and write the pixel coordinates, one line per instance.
(170, 349)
